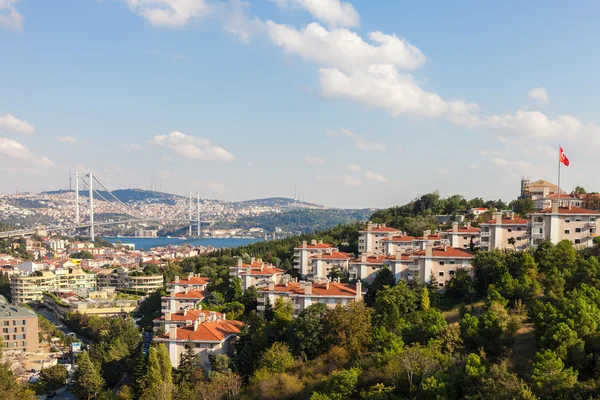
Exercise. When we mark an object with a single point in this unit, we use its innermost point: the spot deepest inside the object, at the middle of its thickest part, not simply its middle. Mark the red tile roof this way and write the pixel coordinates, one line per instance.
(403, 238)
(465, 229)
(207, 331)
(267, 269)
(334, 255)
(452, 252)
(382, 229)
(567, 210)
(191, 294)
(510, 221)
(318, 246)
(190, 316)
(562, 196)
(194, 280)
(318, 289)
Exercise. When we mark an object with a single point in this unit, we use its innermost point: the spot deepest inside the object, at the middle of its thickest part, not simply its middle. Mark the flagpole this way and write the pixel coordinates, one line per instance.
(559, 157)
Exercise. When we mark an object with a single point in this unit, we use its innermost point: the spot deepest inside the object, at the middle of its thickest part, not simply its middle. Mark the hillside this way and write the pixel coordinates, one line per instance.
(299, 220)
(127, 195)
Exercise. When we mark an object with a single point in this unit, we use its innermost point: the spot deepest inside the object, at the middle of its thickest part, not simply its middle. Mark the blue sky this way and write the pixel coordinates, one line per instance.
(357, 104)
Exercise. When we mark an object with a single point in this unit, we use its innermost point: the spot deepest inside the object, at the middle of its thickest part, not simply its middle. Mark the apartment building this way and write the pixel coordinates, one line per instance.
(370, 240)
(19, 327)
(193, 282)
(257, 273)
(208, 337)
(367, 266)
(302, 254)
(566, 200)
(462, 237)
(403, 243)
(185, 317)
(555, 224)
(322, 263)
(303, 294)
(30, 288)
(498, 232)
(123, 278)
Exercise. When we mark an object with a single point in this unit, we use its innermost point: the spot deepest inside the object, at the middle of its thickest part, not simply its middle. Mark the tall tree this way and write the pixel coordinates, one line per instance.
(87, 380)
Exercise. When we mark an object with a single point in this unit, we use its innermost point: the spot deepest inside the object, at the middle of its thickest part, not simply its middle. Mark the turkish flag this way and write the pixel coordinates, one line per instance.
(563, 158)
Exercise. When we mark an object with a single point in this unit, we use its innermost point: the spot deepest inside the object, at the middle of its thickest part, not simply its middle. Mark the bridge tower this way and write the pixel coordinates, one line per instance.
(190, 212)
(198, 215)
(76, 198)
(92, 236)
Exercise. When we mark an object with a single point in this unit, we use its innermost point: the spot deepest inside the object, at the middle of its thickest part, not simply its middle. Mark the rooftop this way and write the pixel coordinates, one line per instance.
(569, 210)
(207, 331)
(318, 289)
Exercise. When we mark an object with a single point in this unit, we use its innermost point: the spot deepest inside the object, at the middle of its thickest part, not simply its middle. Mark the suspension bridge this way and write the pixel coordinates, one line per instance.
(118, 205)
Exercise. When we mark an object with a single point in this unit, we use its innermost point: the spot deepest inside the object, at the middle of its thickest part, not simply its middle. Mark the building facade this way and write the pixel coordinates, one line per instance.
(370, 240)
(257, 273)
(501, 231)
(555, 224)
(303, 254)
(19, 327)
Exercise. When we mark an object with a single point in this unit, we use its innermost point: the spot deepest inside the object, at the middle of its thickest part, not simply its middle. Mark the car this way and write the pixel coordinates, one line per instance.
(51, 394)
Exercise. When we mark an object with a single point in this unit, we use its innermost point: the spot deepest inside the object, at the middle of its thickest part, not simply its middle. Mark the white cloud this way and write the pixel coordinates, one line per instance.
(179, 57)
(343, 49)
(9, 17)
(15, 150)
(352, 167)
(314, 160)
(540, 94)
(345, 132)
(383, 86)
(362, 144)
(399, 148)
(442, 171)
(132, 147)
(332, 12)
(66, 139)
(375, 177)
(10, 123)
(170, 13)
(236, 20)
(501, 162)
(191, 147)
(250, 163)
(345, 180)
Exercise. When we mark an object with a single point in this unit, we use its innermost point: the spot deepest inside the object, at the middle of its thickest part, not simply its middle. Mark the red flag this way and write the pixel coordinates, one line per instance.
(563, 158)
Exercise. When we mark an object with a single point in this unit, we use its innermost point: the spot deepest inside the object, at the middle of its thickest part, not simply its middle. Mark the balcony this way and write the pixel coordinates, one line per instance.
(260, 300)
(296, 306)
(413, 267)
(260, 308)
(485, 233)
(537, 235)
(592, 223)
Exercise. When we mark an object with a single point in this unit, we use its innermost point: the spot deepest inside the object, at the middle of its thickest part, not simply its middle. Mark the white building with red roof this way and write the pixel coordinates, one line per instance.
(302, 254)
(566, 200)
(565, 223)
(499, 232)
(257, 273)
(462, 236)
(303, 294)
(185, 293)
(370, 240)
(208, 335)
(322, 263)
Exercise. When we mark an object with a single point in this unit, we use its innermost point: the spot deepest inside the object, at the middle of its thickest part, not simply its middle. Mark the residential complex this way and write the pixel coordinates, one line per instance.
(123, 278)
(185, 293)
(257, 273)
(575, 224)
(303, 294)
(19, 327)
(505, 232)
(370, 241)
(303, 254)
(29, 288)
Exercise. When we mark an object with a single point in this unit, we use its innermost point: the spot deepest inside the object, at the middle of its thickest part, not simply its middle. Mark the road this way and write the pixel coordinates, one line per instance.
(48, 315)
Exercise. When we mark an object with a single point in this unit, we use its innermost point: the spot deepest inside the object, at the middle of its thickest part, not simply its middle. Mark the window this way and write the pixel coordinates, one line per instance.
(452, 262)
(451, 272)
(441, 273)
(464, 237)
(577, 241)
(567, 231)
(440, 284)
(577, 219)
(509, 229)
(519, 229)
(24, 344)
(567, 221)
(23, 322)
(441, 263)
(578, 230)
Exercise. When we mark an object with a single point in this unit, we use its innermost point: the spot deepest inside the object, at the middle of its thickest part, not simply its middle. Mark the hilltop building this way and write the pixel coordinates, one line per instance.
(555, 224)
(370, 241)
(499, 232)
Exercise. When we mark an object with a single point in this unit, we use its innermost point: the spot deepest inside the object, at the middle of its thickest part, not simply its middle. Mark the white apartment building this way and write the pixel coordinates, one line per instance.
(462, 236)
(123, 278)
(28, 267)
(29, 288)
(257, 273)
(185, 293)
(402, 243)
(302, 254)
(322, 263)
(303, 294)
(370, 241)
(566, 200)
(496, 233)
(208, 335)
(565, 223)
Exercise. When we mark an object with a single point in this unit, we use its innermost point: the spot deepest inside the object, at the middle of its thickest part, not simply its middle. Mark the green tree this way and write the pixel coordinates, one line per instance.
(277, 359)
(460, 286)
(54, 377)
(308, 333)
(235, 291)
(579, 190)
(550, 378)
(189, 363)
(154, 387)
(349, 326)
(522, 206)
(425, 304)
(9, 388)
(87, 380)
(342, 384)
(166, 370)
(489, 266)
(383, 278)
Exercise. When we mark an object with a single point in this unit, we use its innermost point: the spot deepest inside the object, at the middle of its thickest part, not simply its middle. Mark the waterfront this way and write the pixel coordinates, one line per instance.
(148, 243)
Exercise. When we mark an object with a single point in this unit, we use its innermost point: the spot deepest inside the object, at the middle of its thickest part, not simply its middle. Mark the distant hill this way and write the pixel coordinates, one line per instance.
(282, 202)
(300, 220)
(126, 195)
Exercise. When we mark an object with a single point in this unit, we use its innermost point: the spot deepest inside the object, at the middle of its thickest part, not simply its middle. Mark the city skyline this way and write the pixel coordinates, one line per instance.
(358, 106)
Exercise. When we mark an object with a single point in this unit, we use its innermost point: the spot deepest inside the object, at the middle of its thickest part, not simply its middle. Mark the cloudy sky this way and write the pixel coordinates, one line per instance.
(356, 105)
